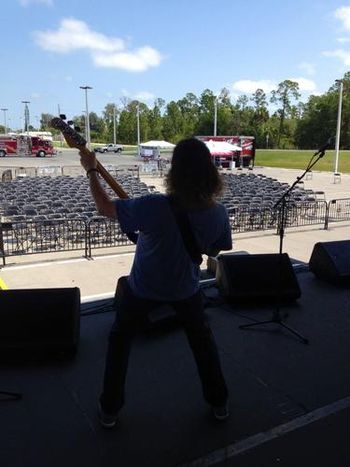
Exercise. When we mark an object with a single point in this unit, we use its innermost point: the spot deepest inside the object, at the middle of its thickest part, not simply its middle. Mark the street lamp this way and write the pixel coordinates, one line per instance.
(85, 125)
(337, 136)
(114, 128)
(87, 116)
(215, 115)
(5, 123)
(26, 115)
(138, 128)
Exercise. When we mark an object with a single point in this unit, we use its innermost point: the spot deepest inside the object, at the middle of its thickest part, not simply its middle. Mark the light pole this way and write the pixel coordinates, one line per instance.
(5, 123)
(26, 115)
(337, 136)
(215, 115)
(138, 128)
(87, 116)
(85, 125)
(114, 127)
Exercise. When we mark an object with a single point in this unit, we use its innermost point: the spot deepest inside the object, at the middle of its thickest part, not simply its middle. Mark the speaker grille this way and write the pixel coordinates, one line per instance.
(40, 320)
(260, 276)
(330, 261)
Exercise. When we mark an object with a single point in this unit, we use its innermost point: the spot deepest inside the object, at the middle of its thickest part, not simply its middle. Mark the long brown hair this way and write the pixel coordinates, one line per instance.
(193, 178)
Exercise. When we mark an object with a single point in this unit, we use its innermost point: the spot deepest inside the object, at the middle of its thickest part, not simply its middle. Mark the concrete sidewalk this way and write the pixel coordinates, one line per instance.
(97, 277)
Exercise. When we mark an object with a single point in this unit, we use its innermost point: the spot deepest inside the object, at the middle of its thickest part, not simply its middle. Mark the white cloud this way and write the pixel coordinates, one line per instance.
(343, 14)
(140, 96)
(343, 55)
(250, 86)
(105, 51)
(309, 68)
(343, 40)
(138, 60)
(144, 96)
(72, 35)
(29, 2)
(305, 84)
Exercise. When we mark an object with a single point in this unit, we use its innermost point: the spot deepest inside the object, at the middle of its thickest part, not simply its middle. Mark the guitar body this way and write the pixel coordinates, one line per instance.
(75, 140)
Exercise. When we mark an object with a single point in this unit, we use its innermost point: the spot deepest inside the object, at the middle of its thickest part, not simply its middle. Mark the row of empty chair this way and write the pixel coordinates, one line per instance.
(46, 197)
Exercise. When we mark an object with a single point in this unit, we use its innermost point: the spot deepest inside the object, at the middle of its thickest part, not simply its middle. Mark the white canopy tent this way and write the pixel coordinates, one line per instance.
(157, 144)
(151, 149)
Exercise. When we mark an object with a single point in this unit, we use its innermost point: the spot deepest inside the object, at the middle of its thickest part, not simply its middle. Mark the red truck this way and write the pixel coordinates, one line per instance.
(23, 145)
(243, 156)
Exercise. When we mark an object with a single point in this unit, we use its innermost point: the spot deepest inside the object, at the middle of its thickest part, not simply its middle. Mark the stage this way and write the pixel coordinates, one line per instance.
(289, 402)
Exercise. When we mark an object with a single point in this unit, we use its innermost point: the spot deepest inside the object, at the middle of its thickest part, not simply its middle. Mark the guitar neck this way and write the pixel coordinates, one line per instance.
(107, 176)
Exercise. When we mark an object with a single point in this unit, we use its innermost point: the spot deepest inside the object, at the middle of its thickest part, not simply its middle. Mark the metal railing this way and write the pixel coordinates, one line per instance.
(58, 235)
(47, 236)
(247, 219)
(338, 210)
(104, 233)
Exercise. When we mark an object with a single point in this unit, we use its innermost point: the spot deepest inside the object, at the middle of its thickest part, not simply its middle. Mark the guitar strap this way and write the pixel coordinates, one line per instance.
(187, 234)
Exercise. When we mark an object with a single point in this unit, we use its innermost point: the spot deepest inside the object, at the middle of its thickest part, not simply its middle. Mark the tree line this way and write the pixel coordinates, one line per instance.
(282, 121)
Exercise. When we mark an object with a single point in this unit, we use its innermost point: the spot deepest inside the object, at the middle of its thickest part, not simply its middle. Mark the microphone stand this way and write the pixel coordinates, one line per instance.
(276, 316)
(10, 396)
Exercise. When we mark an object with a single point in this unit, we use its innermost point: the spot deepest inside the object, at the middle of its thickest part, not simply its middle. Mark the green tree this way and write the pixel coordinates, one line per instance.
(45, 120)
(189, 107)
(173, 123)
(260, 117)
(206, 112)
(155, 123)
(286, 92)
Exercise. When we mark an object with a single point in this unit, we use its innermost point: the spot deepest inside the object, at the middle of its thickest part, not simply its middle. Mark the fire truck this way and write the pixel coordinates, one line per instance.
(25, 145)
(242, 156)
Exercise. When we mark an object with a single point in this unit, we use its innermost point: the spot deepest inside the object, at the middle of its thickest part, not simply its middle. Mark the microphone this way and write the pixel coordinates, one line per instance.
(328, 144)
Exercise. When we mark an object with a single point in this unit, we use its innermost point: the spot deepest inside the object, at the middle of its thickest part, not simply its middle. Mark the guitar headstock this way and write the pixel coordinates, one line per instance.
(71, 135)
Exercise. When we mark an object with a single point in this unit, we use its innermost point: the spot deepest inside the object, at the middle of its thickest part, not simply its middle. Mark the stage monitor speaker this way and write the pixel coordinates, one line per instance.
(41, 322)
(330, 261)
(257, 277)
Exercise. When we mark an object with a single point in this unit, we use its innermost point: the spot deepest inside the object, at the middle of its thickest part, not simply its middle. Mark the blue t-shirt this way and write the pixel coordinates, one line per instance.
(162, 268)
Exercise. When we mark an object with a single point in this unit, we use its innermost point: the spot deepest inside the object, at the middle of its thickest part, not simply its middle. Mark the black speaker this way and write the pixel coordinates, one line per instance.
(330, 261)
(257, 277)
(40, 322)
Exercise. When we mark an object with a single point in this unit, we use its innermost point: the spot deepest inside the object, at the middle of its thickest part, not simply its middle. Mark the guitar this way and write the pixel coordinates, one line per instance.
(75, 140)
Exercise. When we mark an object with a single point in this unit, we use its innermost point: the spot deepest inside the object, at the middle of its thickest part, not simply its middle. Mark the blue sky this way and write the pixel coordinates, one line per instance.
(159, 48)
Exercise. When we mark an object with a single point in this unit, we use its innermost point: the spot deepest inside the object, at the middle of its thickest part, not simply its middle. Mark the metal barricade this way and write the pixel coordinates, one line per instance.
(104, 233)
(338, 210)
(311, 213)
(45, 236)
(254, 218)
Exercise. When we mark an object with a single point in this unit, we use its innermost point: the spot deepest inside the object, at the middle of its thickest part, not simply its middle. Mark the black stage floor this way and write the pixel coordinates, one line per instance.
(289, 402)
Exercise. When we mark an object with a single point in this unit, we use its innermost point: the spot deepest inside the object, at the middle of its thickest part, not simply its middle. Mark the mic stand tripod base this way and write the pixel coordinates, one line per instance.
(276, 318)
(10, 396)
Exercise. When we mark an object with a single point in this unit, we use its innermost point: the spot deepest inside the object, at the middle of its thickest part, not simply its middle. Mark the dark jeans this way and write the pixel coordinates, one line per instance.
(131, 315)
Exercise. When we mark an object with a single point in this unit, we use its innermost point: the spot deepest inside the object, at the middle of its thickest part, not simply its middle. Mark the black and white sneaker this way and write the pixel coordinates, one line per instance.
(107, 420)
(221, 412)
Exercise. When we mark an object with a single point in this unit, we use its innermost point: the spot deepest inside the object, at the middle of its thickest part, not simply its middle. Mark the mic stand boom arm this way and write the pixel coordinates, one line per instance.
(282, 199)
(276, 317)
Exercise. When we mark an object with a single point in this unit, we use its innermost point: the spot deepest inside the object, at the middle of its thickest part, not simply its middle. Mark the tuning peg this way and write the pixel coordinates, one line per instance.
(70, 122)
(63, 117)
(77, 128)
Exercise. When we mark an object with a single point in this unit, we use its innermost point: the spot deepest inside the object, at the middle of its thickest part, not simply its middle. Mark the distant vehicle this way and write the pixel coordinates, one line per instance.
(110, 148)
(46, 135)
(24, 145)
(245, 157)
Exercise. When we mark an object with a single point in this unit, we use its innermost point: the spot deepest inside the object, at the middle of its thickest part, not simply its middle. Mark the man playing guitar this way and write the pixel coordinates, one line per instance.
(193, 183)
